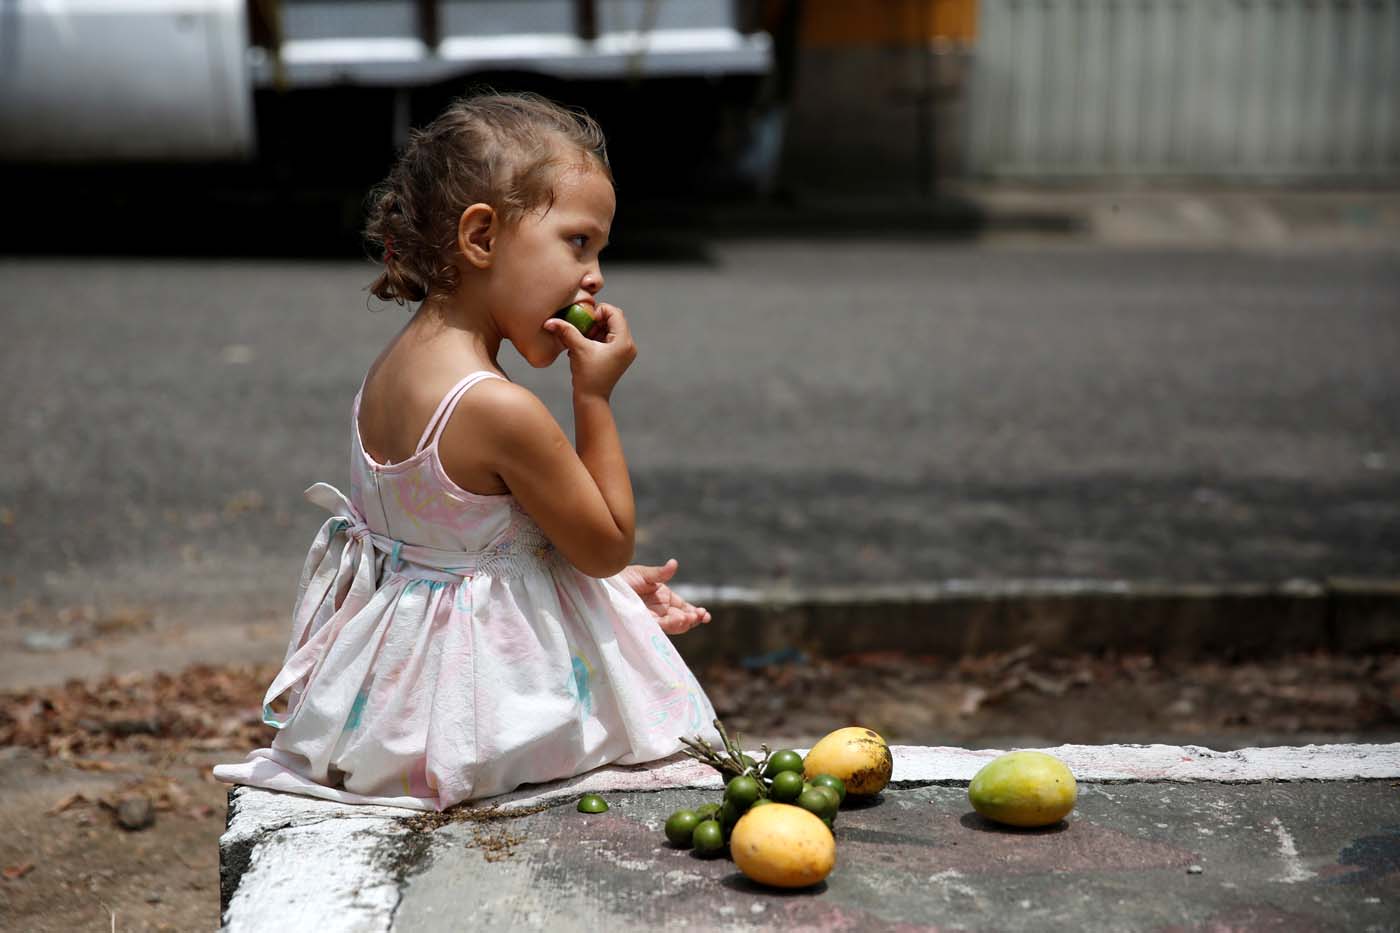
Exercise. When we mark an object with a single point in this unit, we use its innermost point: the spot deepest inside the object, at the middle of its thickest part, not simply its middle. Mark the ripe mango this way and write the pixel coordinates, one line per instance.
(856, 755)
(783, 846)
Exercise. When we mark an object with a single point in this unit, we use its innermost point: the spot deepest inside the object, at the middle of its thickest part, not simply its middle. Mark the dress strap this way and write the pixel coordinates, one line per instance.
(359, 393)
(445, 408)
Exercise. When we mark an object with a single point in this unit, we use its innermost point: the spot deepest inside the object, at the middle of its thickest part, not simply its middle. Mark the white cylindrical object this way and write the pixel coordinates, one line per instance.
(130, 80)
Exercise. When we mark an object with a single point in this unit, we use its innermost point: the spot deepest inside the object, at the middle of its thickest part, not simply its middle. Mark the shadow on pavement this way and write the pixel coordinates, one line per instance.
(978, 823)
(247, 212)
(740, 882)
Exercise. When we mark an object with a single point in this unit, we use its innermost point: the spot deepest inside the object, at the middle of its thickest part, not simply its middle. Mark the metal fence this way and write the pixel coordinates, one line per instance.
(1241, 89)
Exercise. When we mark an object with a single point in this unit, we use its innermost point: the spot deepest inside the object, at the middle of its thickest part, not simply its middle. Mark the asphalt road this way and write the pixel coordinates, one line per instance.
(812, 409)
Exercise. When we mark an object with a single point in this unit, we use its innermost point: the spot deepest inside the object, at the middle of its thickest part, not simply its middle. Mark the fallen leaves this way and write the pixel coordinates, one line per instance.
(134, 804)
(68, 801)
(161, 717)
(15, 872)
(202, 708)
(1083, 698)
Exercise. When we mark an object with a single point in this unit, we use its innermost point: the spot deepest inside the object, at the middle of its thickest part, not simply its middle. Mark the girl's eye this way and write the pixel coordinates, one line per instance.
(581, 240)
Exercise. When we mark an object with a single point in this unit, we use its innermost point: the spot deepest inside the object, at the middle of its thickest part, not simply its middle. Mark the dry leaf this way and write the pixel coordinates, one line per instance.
(68, 802)
(1046, 685)
(124, 620)
(13, 872)
(972, 700)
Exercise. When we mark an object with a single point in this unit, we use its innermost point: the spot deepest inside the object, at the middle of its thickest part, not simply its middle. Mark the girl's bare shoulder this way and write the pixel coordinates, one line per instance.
(495, 425)
(498, 411)
(401, 393)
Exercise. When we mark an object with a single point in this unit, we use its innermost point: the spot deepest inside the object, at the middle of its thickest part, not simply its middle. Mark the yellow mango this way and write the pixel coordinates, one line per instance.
(782, 845)
(856, 755)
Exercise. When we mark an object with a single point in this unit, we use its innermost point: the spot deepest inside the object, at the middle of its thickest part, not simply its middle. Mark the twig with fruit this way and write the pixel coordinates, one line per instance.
(733, 762)
(777, 815)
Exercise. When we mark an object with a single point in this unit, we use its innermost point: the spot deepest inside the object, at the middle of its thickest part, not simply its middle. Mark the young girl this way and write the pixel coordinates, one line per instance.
(466, 620)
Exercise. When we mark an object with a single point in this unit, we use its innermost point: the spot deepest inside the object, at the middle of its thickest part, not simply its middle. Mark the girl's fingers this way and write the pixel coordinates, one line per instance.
(567, 334)
(611, 315)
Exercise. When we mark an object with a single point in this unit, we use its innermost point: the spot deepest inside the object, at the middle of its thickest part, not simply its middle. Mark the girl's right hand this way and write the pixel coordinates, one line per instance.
(596, 365)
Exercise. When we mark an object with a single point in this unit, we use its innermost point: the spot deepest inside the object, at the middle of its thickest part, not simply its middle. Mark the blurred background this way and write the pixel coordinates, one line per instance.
(951, 311)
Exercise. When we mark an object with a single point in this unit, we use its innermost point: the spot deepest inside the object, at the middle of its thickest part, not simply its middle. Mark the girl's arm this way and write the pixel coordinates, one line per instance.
(578, 499)
(581, 499)
(600, 450)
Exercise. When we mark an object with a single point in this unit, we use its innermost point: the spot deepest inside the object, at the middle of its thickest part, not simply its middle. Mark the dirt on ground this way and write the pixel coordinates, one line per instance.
(111, 819)
(1020, 698)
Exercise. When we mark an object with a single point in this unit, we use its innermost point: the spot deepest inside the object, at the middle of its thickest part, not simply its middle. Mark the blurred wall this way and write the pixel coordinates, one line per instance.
(1241, 90)
(876, 101)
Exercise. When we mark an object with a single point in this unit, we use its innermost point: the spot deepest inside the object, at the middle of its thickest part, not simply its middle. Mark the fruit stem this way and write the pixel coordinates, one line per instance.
(729, 764)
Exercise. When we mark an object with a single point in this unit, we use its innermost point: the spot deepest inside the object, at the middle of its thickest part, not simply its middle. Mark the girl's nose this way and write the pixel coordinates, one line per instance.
(593, 280)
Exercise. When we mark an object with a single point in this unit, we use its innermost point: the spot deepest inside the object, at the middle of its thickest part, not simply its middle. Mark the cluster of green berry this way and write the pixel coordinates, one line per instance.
(777, 779)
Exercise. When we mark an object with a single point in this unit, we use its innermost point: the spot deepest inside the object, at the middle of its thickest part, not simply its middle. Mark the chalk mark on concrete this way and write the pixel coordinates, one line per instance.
(1293, 869)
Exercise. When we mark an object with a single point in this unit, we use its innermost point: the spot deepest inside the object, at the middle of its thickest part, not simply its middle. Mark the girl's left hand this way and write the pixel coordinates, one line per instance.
(674, 614)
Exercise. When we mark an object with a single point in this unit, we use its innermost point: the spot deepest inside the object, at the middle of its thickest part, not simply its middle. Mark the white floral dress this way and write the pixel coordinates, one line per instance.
(442, 650)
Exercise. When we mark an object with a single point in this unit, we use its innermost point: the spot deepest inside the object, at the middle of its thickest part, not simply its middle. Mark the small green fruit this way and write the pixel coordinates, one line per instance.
(578, 316)
(708, 838)
(592, 803)
(742, 792)
(783, 760)
(787, 786)
(680, 826)
(832, 782)
(819, 800)
(707, 811)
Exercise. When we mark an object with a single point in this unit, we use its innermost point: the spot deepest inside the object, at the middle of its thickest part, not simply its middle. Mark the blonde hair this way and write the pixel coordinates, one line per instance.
(504, 150)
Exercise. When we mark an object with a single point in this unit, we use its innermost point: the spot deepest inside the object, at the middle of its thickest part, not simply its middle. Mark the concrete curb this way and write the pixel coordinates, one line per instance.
(1058, 617)
(288, 861)
(1163, 214)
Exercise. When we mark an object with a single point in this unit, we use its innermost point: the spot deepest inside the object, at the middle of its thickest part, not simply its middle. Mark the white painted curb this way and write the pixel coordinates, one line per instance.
(294, 838)
(919, 764)
(259, 810)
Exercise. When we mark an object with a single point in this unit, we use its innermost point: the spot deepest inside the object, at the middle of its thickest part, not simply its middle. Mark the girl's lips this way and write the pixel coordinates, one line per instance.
(564, 310)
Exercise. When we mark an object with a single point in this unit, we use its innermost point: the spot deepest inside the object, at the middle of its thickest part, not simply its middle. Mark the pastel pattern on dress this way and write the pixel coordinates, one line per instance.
(492, 664)
(357, 710)
(425, 505)
(578, 683)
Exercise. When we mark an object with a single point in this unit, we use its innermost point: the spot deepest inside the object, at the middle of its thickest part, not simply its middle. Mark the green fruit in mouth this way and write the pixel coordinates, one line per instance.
(578, 316)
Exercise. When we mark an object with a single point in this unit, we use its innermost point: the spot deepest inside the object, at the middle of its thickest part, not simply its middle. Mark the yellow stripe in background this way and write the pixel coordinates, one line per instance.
(837, 23)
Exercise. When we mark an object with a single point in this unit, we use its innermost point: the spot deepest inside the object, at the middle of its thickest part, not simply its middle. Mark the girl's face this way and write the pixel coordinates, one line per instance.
(548, 260)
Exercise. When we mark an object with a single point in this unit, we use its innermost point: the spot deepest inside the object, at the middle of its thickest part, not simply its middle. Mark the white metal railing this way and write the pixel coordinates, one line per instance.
(324, 42)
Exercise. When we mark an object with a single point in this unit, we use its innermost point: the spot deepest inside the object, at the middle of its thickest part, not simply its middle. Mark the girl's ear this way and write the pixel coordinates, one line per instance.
(476, 234)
